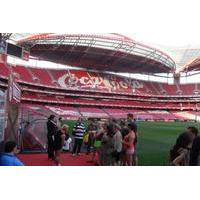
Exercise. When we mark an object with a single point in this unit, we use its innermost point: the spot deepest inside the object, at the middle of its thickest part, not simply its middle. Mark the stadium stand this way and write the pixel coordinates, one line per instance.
(187, 89)
(42, 75)
(170, 89)
(116, 113)
(23, 73)
(84, 80)
(51, 76)
(4, 71)
(67, 111)
(83, 88)
(93, 112)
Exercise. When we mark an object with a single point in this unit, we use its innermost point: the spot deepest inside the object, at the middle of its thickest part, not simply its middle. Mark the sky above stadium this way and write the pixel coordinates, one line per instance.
(166, 25)
(161, 24)
(171, 22)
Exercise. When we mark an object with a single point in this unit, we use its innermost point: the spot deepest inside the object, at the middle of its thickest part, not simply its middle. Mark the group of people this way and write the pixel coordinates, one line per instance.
(186, 151)
(115, 143)
(108, 143)
(112, 142)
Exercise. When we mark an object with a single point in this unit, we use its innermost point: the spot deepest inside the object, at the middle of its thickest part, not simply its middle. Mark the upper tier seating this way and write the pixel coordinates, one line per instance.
(4, 70)
(43, 76)
(23, 73)
(187, 89)
(83, 80)
(170, 89)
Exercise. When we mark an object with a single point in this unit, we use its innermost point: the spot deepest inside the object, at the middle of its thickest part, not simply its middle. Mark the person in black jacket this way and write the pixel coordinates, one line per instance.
(195, 152)
(51, 131)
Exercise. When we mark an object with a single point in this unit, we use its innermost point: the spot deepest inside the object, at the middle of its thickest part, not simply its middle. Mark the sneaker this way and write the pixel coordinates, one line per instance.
(78, 154)
(73, 154)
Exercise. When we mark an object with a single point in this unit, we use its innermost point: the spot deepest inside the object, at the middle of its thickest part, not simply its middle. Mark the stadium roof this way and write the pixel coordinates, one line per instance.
(183, 57)
(193, 65)
(111, 52)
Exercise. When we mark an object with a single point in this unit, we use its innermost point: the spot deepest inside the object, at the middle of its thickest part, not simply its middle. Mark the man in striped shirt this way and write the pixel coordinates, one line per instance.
(78, 132)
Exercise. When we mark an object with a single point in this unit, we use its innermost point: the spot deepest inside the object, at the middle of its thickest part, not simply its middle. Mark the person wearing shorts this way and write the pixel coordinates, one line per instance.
(129, 144)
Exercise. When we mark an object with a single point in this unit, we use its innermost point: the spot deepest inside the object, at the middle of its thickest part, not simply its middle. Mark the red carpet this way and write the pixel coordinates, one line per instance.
(66, 160)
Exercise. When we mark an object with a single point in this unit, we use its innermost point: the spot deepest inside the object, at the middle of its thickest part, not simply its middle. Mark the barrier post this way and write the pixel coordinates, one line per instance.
(12, 110)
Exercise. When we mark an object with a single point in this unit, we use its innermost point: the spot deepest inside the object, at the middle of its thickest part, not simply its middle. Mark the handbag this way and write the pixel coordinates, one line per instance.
(97, 143)
(86, 138)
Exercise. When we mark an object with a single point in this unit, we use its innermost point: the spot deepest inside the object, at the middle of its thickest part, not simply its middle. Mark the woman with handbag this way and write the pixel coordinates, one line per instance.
(97, 136)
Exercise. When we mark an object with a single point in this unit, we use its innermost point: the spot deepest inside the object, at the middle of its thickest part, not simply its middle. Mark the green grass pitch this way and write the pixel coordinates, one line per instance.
(156, 139)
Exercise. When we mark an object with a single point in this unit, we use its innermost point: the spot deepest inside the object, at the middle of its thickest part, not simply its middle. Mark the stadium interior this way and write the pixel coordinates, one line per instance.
(95, 89)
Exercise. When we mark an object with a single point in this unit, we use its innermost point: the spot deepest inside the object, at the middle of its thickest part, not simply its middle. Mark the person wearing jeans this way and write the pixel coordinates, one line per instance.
(78, 132)
(77, 146)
